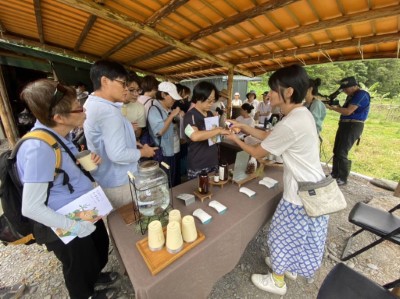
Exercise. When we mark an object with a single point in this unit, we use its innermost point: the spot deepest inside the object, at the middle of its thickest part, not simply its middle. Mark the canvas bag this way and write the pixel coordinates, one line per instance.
(321, 198)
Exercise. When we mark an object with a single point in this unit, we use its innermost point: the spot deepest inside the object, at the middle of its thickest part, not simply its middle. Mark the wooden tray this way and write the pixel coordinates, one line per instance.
(220, 183)
(247, 179)
(156, 261)
(127, 213)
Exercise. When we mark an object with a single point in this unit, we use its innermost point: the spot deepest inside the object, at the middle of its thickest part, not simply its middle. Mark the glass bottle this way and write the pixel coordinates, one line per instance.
(151, 186)
(203, 182)
(223, 171)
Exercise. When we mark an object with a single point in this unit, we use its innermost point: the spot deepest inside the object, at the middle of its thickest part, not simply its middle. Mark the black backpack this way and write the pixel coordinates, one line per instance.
(16, 229)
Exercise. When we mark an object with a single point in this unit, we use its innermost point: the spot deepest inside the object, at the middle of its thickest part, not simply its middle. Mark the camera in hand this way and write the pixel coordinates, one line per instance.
(175, 120)
(332, 100)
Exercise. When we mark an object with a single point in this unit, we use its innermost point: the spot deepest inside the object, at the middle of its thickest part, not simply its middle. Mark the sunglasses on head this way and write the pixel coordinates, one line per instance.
(58, 95)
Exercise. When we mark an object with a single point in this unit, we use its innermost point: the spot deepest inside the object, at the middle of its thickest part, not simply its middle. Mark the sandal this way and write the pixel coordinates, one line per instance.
(109, 293)
(106, 278)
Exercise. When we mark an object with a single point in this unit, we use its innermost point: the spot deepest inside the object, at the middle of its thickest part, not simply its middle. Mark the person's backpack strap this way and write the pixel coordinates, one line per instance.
(60, 142)
(148, 124)
(51, 139)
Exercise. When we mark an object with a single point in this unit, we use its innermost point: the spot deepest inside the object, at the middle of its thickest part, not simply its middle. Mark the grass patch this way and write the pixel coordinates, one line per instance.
(378, 154)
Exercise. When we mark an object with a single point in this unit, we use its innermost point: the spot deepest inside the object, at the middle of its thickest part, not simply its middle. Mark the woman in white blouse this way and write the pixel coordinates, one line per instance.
(264, 109)
(245, 115)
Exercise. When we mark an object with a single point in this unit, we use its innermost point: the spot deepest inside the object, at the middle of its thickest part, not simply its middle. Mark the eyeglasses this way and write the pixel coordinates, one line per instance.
(58, 95)
(79, 110)
(123, 83)
(135, 90)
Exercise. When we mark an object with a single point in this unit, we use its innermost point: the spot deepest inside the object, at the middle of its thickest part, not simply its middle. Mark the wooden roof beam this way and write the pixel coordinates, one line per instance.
(2, 28)
(16, 40)
(239, 18)
(150, 55)
(152, 22)
(304, 51)
(231, 21)
(123, 20)
(174, 63)
(355, 42)
(39, 22)
(89, 24)
(380, 55)
(120, 45)
(197, 72)
(164, 11)
(353, 18)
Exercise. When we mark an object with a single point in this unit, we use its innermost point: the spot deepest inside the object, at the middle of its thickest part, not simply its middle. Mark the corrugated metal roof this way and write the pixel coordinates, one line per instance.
(195, 38)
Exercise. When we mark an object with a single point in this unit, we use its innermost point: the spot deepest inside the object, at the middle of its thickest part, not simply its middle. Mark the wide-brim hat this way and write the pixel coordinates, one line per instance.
(223, 93)
(251, 92)
(348, 82)
(169, 88)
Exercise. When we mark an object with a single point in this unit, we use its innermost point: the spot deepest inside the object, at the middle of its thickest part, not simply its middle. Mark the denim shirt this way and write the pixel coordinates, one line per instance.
(156, 123)
(110, 135)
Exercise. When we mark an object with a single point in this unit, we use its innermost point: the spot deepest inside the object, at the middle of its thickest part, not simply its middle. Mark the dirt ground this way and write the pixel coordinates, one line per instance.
(43, 274)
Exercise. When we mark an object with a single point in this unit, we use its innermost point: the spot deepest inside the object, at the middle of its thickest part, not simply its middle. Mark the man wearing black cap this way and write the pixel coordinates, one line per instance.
(353, 114)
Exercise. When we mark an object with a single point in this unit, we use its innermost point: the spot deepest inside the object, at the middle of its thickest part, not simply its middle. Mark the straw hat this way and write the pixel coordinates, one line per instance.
(223, 93)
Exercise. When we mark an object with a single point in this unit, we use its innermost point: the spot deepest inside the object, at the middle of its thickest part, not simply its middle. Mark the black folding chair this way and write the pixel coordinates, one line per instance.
(345, 283)
(379, 222)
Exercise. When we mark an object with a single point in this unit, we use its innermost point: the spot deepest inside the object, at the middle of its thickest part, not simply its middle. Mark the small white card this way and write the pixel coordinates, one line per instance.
(268, 182)
(247, 191)
(219, 207)
(202, 215)
(189, 130)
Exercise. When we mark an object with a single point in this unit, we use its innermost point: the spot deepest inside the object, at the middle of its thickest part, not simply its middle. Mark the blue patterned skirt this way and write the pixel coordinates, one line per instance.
(296, 242)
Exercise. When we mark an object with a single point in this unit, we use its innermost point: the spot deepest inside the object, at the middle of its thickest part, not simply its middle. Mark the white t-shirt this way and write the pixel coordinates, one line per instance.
(255, 104)
(135, 112)
(264, 108)
(236, 103)
(146, 102)
(295, 138)
(248, 121)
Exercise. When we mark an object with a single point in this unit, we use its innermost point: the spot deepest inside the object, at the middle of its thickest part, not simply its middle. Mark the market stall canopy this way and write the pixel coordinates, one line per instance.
(180, 39)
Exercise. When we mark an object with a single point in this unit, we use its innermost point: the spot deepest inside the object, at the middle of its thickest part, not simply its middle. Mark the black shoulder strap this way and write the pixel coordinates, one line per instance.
(148, 125)
(85, 172)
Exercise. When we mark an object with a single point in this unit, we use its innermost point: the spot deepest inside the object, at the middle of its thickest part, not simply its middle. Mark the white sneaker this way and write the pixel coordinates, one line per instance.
(288, 274)
(266, 283)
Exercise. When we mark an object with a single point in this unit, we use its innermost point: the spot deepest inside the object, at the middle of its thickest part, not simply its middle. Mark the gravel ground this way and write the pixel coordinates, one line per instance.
(42, 273)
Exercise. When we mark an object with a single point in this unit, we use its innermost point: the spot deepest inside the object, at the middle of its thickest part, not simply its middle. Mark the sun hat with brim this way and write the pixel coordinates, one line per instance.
(223, 93)
(251, 92)
(169, 88)
(237, 94)
(348, 82)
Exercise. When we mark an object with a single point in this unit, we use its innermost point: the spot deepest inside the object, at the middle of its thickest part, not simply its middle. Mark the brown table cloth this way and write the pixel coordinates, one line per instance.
(194, 274)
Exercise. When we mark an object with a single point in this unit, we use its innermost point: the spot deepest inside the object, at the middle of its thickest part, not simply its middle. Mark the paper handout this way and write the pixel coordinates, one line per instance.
(91, 206)
(211, 123)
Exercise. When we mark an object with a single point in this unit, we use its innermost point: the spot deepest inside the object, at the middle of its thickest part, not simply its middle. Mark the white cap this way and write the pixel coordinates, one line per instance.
(169, 88)
(237, 94)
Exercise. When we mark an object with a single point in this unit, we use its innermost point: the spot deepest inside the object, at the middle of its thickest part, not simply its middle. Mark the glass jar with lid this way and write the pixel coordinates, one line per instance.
(151, 187)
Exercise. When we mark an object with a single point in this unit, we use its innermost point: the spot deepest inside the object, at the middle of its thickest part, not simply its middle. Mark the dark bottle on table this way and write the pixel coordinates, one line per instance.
(203, 182)
(265, 123)
(223, 171)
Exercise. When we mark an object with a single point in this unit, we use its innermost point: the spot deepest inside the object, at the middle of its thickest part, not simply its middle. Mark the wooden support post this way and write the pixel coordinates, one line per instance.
(6, 114)
(231, 73)
(397, 191)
